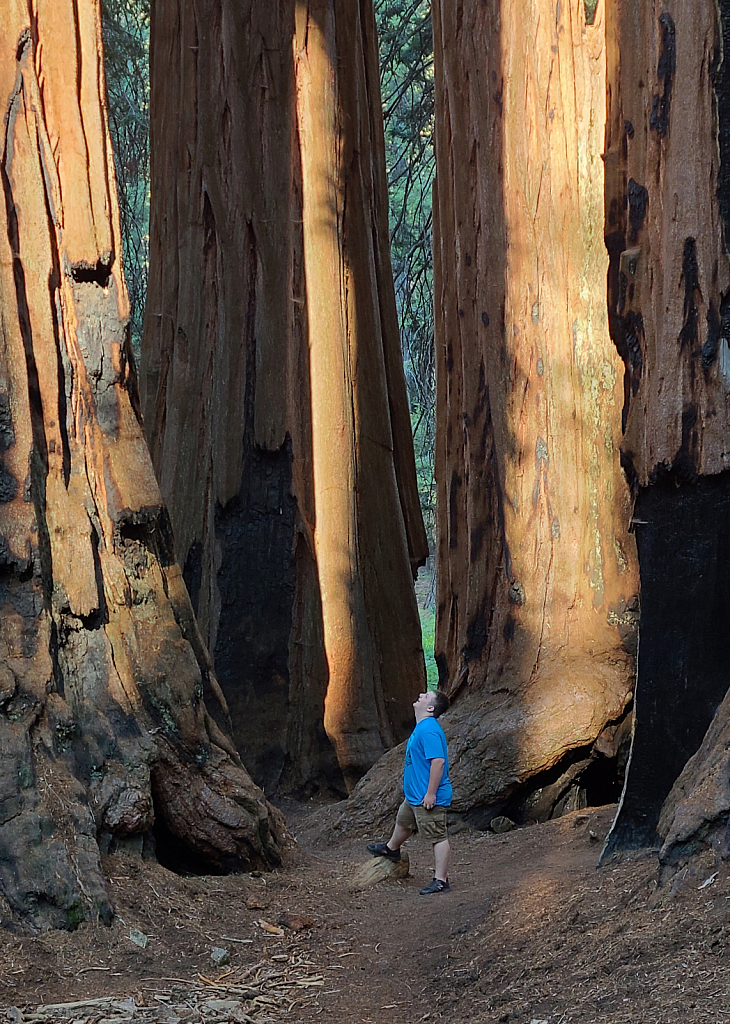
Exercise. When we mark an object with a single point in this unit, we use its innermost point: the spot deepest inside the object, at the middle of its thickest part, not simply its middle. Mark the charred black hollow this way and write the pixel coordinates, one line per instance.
(257, 582)
(684, 643)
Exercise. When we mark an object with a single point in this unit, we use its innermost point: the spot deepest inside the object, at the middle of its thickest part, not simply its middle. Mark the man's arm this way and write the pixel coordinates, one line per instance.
(434, 781)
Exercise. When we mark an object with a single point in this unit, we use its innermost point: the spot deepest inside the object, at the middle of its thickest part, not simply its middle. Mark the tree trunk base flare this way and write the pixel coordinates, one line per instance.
(684, 658)
(494, 772)
(106, 688)
(84, 767)
(695, 817)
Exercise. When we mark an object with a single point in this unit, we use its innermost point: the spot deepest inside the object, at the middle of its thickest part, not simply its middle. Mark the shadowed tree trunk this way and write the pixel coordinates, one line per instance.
(104, 680)
(536, 570)
(273, 385)
(668, 224)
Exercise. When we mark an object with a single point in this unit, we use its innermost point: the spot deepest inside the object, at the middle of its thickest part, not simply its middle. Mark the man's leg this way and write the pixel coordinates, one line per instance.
(400, 834)
(405, 823)
(435, 829)
(441, 853)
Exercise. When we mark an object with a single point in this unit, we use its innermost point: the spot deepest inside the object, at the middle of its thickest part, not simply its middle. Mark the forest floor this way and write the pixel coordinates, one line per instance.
(531, 932)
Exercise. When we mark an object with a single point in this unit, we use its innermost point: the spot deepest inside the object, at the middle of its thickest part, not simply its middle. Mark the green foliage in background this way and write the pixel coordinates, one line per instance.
(406, 72)
(428, 631)
(126, 31)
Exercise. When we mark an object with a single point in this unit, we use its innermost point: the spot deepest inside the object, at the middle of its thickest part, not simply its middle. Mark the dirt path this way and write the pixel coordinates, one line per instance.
(531, 931)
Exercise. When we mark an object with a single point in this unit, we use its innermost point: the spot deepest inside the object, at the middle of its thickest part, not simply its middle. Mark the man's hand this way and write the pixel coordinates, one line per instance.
(434, 781)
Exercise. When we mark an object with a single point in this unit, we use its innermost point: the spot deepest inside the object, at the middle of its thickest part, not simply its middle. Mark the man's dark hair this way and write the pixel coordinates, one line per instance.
(440, 703)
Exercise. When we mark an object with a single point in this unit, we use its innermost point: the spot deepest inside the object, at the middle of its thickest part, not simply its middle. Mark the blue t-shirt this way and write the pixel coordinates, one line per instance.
(427, 741)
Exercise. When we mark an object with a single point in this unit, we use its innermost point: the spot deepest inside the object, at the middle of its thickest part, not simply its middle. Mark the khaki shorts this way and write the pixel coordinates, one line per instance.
(431, 824)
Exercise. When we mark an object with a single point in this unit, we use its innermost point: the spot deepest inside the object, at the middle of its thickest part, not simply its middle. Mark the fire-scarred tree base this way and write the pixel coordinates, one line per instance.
(667, 202)
(106, 689)
(91, 756)
(496, 769)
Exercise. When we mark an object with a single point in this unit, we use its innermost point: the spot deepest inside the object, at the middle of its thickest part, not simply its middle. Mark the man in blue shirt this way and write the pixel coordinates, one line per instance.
(427, 791)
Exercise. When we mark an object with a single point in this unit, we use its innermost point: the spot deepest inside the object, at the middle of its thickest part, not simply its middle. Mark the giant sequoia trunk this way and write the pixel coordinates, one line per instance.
(668, 227)
(104, 681)
(272, 380)
(536, 569)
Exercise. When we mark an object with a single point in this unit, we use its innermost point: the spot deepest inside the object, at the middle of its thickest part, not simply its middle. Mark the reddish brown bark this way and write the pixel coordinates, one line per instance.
(668, 218)
(273, 386)
(104, 679)
(537, 580)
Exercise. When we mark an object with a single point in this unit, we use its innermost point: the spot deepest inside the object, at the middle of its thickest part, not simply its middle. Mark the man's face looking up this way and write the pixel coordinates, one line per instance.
(424, 704)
